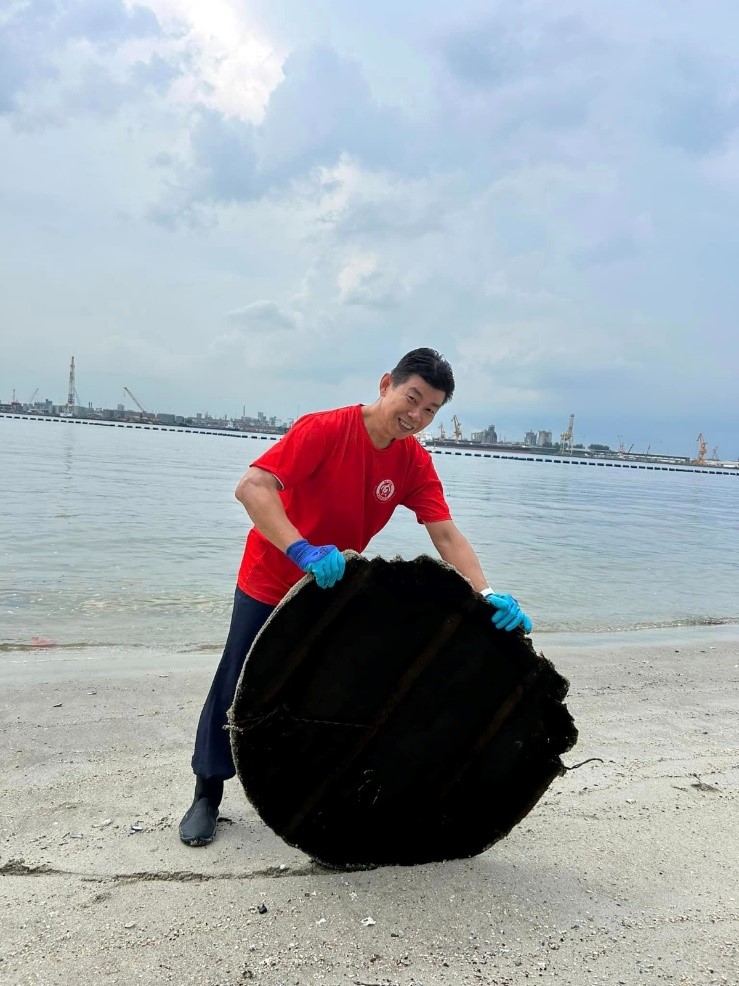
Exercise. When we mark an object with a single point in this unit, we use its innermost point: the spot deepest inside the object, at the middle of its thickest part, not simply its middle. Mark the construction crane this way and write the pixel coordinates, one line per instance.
(71, 391)
(32, 398)
(457, 428)
(73, 398)
(702, 446)
(138, 403)
(714, 454)
(566, 437)
(442, 433)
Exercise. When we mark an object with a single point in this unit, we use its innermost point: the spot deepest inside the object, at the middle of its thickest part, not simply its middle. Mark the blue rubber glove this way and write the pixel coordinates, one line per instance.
(508, 614)
(325, 562)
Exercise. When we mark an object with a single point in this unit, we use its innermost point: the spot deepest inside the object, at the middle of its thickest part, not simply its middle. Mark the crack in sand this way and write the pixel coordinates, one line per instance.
(18, 867)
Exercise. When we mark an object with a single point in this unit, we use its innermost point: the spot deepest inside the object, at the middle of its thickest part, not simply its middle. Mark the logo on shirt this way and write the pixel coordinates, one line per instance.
(385, 490)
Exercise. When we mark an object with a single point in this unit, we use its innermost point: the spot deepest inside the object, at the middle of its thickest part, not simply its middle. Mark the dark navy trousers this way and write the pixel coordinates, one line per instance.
(212, 757)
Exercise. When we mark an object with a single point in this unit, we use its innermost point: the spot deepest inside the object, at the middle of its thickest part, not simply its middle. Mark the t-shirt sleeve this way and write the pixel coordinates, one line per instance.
(426, 496)
(297, 454)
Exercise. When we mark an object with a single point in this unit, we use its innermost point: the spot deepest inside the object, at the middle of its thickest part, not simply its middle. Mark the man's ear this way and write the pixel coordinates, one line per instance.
(386, 381)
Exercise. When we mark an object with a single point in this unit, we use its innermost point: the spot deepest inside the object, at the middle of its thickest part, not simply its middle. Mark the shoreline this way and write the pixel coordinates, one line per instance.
(40, 663)
(725, 633)
(623, 872)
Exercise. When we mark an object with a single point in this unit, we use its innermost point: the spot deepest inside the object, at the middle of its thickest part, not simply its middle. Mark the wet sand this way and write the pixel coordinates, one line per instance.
(627, 871)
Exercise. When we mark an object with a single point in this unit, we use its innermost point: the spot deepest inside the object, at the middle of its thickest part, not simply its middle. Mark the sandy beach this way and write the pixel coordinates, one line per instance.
(626, 872)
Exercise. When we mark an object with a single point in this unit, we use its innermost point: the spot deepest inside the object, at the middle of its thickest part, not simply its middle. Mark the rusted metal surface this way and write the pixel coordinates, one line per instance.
(387, 721)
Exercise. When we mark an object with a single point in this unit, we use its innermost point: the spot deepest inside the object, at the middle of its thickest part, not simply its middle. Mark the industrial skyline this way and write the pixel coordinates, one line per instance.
(541, 438)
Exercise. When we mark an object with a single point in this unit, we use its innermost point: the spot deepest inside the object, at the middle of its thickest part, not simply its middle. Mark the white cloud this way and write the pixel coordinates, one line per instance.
(232, 66)
(362, 281)
(264, 316)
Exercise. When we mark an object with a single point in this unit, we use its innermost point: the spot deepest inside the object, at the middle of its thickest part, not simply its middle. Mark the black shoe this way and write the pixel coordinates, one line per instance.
(198, 825)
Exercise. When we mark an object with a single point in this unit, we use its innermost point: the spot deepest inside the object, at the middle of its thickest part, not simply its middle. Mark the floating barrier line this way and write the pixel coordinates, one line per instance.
(587, 462)
(187, 429)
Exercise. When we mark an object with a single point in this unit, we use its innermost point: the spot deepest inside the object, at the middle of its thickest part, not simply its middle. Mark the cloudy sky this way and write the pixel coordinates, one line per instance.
(264, 203)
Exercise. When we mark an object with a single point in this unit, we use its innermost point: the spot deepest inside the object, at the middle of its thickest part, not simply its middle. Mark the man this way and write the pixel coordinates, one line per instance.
(330, 484)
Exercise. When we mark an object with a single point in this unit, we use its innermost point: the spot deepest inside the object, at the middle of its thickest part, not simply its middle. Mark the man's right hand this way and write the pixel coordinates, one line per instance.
(325, 562)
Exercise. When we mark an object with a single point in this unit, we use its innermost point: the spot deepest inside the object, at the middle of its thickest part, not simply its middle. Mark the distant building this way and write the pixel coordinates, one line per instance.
(487, 437)
(544, 439)
(530, 438)
(65, 411)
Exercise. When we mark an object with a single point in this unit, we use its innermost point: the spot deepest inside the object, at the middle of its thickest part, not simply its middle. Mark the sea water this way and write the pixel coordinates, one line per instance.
(132, 537)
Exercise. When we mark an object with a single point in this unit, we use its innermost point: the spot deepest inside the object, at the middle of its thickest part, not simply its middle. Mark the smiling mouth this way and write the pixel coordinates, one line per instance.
(404, 426)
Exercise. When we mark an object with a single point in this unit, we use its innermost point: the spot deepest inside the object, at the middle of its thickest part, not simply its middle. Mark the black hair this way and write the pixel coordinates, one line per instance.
(430, 366)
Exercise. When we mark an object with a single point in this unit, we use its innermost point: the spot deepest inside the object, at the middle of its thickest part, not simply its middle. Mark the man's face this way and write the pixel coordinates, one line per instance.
(410, 407)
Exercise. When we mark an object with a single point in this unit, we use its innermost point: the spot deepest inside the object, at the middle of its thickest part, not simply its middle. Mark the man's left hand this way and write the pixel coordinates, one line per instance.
(508, 614)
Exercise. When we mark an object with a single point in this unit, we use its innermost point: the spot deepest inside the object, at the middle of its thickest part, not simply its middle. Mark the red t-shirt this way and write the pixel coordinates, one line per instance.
(338, 488)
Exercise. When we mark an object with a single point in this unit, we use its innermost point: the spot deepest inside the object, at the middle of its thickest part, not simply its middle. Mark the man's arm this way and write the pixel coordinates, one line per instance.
(258, 490)
(455, 549)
